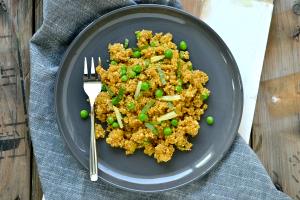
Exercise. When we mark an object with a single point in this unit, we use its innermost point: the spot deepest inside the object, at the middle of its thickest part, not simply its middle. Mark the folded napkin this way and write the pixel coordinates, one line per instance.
(240, 175)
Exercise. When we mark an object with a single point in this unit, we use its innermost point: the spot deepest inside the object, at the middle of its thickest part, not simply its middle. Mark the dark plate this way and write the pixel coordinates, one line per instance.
(208, 52)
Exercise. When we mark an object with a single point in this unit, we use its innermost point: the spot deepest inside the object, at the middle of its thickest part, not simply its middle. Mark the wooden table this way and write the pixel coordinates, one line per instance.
(276, 127)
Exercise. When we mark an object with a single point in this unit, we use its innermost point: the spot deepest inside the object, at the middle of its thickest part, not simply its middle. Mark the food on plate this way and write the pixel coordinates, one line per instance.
(84, 114)
(210, 120)
(151, 98)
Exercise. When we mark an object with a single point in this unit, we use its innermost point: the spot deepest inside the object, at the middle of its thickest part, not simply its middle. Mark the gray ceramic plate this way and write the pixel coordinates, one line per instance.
(208, 52)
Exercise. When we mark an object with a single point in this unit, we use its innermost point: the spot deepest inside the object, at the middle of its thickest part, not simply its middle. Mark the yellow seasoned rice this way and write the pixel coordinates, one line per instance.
(189, 108)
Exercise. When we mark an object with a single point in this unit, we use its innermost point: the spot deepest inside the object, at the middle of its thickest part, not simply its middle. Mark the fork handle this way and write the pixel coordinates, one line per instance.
(93, 149)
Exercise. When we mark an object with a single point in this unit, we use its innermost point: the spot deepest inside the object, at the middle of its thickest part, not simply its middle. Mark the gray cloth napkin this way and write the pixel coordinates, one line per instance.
(240, 175)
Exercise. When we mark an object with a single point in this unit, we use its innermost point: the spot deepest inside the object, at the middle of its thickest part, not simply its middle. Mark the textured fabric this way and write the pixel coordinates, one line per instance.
(239, 176)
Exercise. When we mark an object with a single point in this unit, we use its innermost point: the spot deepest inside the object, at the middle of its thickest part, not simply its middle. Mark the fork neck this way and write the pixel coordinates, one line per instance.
(92, 103)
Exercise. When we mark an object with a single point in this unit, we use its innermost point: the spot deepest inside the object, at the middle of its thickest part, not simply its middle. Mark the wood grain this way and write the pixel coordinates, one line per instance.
(38, 14)
(276, 127)
(276, 124)
(15, 32)
(36, 189)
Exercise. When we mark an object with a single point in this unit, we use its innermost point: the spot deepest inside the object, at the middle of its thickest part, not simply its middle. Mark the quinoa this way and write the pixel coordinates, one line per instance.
(173, 75)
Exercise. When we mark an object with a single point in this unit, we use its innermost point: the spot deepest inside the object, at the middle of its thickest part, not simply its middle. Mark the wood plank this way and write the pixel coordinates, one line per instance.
(15, 31)
(276, 124)
(194, 9)
(38, 13)
(36, 189)
(276, 127)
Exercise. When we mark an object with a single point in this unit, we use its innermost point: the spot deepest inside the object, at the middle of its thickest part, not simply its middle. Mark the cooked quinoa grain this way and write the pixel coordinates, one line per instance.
(152, 95)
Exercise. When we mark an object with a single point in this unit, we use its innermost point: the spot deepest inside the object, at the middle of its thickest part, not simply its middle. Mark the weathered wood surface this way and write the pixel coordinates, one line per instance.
(15, 154)
(276, 124)
(36, 189)
(276, 127)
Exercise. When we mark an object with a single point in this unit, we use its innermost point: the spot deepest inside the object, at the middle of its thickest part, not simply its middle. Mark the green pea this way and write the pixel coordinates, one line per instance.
(136, 54)
(143, 117)
(153, 43)
(84, 114)
(204, 96)
(124, 78)
(183, 45)
(210, 120)
(131, 74)
(145, 86)
(110, 120)
(174, 122)
(167, 131)
(123, 72)
(104, 88)
(137, 68)
(123, 67)
(159, 93)
(168, 53)
(126, 43)
(113, 62)
(115, 101)
(115, 125)
(131, 106)
(178, 88)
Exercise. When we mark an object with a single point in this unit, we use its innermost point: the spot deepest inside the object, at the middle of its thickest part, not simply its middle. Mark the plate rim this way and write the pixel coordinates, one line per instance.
(185, 14)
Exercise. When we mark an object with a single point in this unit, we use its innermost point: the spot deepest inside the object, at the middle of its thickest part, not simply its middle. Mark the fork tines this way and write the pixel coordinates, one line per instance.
(93, 75)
